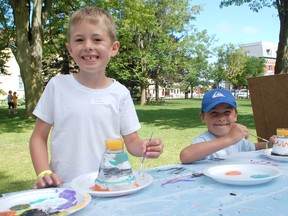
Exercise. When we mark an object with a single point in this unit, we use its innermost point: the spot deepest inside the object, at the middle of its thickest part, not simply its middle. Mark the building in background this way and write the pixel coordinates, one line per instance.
(266, 50)
(13, 80)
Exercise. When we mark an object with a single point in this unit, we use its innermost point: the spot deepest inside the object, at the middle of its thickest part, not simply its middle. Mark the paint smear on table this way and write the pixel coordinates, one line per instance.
(172, 170)
(187, 178)
(264, 162)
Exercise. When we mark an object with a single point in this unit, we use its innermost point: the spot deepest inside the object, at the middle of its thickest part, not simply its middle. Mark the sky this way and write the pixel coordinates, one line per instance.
(237, 24)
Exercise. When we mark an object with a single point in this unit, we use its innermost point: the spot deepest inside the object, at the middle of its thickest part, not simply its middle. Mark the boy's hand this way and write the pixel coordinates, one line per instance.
(48, 180)
(272, 139)
(154, 148)
(238, 132)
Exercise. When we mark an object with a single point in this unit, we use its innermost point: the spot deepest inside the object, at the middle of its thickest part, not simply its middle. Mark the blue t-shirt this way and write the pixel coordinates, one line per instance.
(243, 145)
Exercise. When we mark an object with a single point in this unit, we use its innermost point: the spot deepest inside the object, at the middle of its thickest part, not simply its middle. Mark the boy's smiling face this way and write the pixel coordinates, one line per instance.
(219, 119)
(90, 46)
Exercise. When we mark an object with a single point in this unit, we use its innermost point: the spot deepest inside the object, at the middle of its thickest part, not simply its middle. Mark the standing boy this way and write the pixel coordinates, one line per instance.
(85, 108)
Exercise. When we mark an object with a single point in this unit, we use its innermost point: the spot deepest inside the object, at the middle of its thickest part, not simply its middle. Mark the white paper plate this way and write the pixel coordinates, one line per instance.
(85, 182)
(245, 174)
(48, 200)
(274, 157)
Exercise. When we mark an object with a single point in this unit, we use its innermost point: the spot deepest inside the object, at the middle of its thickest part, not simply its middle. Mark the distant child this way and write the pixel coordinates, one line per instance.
(224, 136)
(10, 101)
(15, 102)
(86, 108)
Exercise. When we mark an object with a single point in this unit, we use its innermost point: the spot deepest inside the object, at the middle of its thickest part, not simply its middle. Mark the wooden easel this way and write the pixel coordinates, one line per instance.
(269, 99)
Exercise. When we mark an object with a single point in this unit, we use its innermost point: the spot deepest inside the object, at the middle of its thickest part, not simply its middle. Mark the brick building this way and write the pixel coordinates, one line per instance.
(266, 50)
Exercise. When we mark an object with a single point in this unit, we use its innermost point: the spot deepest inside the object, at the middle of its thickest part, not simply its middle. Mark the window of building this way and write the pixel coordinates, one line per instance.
(20, 83)
(269, 52)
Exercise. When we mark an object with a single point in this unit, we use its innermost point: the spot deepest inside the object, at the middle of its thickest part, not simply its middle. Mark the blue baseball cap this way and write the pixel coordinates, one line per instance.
(215, 97)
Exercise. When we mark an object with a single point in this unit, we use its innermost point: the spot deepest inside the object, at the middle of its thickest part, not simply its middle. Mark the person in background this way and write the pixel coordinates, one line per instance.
(224, 136)
(10, 101)
(15, 102)
(85, 108)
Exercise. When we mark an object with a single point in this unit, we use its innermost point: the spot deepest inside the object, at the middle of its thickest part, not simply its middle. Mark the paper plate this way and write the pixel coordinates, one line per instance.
(267, 153)
(244, 174)
(85, 182)
(48, 200)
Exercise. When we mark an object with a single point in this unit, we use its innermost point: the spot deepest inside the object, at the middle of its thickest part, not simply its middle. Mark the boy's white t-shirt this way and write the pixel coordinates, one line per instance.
(82, 119)
(243, 145)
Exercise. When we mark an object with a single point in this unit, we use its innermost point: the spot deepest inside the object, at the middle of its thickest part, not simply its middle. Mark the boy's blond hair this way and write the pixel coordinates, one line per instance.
(93, 15)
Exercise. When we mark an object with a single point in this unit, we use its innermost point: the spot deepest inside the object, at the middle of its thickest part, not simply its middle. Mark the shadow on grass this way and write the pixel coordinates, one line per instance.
(15, 122)
(178, 114)
(171, 118)
(182, 118)
(12, 185)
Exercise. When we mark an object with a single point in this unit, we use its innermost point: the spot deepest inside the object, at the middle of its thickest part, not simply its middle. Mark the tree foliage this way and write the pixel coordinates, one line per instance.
(158, 41)
(253, 67)
(234, 66)
(282, 7)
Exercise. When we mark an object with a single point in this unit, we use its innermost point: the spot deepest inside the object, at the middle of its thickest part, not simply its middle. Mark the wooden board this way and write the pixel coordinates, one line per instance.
(269, 98)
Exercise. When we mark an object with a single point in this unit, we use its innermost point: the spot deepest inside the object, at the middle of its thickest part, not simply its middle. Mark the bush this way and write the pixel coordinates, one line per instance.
(21, 102)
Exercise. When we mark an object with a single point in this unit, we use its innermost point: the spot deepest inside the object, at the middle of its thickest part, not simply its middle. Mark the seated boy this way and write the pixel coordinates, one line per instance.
(224, 136)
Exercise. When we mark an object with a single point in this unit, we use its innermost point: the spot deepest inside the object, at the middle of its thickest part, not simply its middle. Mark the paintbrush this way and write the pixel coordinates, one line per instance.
(260, 137)
(144, 156)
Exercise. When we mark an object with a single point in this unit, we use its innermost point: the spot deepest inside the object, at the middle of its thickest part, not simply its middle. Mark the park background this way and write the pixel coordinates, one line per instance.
(160, 43)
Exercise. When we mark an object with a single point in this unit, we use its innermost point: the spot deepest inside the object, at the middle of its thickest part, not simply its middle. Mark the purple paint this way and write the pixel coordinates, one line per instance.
(69, 195)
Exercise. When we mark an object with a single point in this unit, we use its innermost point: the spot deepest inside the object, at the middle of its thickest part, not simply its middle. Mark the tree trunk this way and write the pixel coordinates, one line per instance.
(282, 52)
(28, 52)
(143, 94)
(156, 90)
(191, 91)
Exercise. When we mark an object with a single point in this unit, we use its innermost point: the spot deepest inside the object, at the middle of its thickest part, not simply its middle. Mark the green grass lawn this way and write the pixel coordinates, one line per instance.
(177, 123)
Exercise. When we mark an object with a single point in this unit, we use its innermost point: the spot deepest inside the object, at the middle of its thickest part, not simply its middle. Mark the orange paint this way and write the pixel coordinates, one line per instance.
(232, 173)
(8, 213)
(98, 188)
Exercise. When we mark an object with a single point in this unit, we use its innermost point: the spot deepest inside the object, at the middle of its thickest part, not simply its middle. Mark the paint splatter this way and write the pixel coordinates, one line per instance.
(233, 173)
(217, 159)
(187, 178)
(263, 162)
(34, 212)
(172, 170)
(258, 176)
(20, 207)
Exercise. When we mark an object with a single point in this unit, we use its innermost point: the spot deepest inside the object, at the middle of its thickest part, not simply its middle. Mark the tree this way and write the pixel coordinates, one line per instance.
(234, 66)
(254, 67)
(152, 34)
(22, 31)
(195, 66)
(230, 63)
(282, 8)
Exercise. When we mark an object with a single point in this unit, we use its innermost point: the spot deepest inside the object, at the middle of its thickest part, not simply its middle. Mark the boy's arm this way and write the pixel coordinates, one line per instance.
(137, 146)
(263, 145)
(200, 150)
(39, 155)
